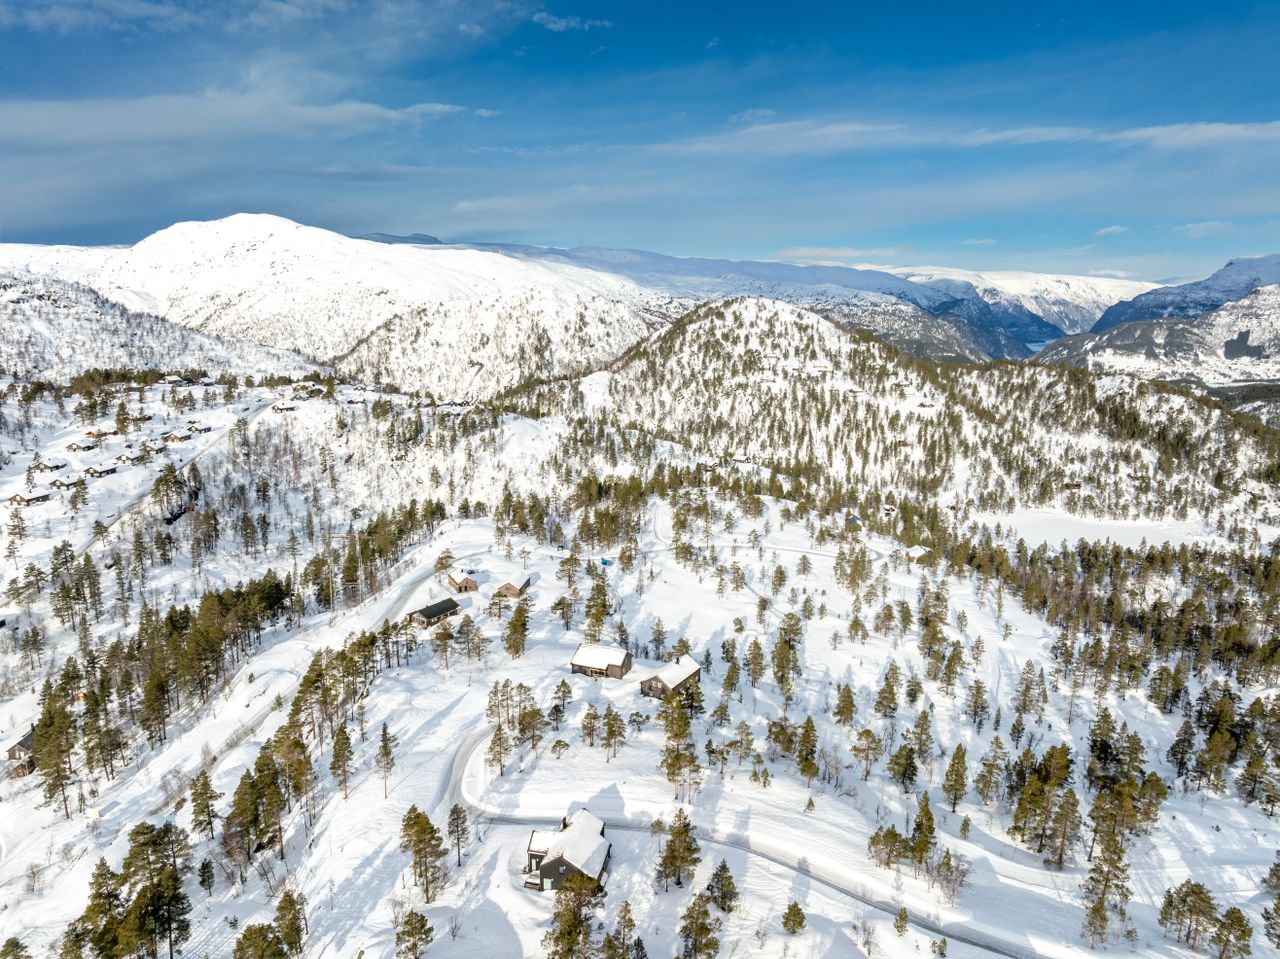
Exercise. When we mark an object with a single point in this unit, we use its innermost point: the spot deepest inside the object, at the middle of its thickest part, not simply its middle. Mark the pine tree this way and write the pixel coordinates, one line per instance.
(340, 763)
(887, 698)
(571, 935)
(1106, 889)
(205, 876)
(414, 935)
(458, 828)
(846, 708)
(203, 798)
(427, 852)
(955, 781)
(14, 949)
(923, 834)
(1234, 935)
(386, 756)
(291, 921)
(698, 930)
(866, 749)
(680, 854)
(1065, 828)
(499, 749)
(259, 940)
(807, 750)
(902, 766)
(793, 920)
(901, 920)
(517, 630)
(1271, 921)
(722, 889)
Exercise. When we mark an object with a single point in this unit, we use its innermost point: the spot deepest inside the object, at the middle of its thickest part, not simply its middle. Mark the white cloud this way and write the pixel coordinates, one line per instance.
(1114, 230)
(562, 24)
(979, 241)
(754, 115)
(835, 255)
(1113, 274)
(1204, 228)
(815, 136)
(53, 125)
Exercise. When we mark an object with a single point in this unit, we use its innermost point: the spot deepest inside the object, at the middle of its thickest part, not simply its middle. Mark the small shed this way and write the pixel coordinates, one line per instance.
(463, 581)
(577, 848)
(435, 613)
(671, 678)
(513, 588)
(598, 660)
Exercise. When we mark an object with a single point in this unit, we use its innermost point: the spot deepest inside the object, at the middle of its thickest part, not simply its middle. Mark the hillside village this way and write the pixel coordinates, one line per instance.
(513, 678)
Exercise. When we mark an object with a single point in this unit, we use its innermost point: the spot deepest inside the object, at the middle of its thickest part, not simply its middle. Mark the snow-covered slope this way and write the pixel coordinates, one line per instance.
(53, 330)
(432, 315)
(1236, 343)
(1073, 304)
(1238, 278)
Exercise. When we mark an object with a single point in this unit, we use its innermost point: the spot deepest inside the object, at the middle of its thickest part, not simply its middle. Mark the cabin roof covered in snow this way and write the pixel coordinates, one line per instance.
(675, 673)
(580, 843)
(598, 656)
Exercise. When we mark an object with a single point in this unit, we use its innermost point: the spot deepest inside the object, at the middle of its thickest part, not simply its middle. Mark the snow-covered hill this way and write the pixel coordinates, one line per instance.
(1236, 343)
(431, 316)
(1072, 304)
(1238, 278)
(53, 330)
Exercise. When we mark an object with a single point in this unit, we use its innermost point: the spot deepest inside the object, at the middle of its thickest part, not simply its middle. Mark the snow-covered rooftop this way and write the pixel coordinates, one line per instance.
(598, 656)
(580, 843)
(676, 672)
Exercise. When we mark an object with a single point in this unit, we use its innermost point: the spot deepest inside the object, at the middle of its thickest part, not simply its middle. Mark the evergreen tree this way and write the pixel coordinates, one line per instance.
(923, 834)
(1065, 828)
(955, 781)
(291, 921)
(1106, 889)
(793, 920)
(1271, 921)
(517, 630)
(458, 828)
(414, 935)
(698, 930)
(206, 876)
(722, 889)
(340, 763)
(866, 750)
(1234, 935)
(571, 935)
(386, 756)
(902, 766)
(680, 854)
(14, 949)
(499, 749)
(427, 851)
(203, 798)
(259, 940)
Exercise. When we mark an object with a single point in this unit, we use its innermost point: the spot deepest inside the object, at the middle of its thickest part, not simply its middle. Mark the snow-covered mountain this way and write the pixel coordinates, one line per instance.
(1072, 304)
(1237, 343)
(1238, 278)
(52, 330)
(430, 316)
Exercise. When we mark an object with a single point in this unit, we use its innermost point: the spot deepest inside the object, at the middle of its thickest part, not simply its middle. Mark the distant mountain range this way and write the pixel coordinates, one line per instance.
(413, 308)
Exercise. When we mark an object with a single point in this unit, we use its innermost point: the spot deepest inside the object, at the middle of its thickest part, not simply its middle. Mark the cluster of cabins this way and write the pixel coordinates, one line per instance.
(578, 847)
(93, 440)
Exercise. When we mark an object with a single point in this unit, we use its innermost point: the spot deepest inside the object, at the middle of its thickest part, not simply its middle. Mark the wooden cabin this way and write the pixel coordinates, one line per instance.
(435, 613)
(513, 589)
(600, 661)
(671, 678)
(128, 458)
(199, 428)
(577, 848)
(75, 446)
(48, 467)
(68, 481)
(97, 472)
(283, 407)
(21, 755)
(28, 499)
(462, 581)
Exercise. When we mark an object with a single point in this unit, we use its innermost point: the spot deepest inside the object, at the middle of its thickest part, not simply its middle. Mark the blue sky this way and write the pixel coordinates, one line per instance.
(1135, 138)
